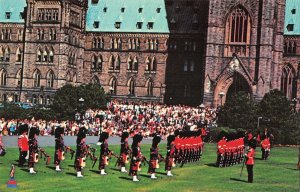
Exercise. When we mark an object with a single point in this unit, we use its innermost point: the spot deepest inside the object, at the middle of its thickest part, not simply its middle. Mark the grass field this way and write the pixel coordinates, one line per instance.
(277, 174)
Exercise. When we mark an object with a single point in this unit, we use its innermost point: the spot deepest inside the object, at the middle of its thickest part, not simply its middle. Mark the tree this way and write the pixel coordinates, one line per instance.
(66, 103)
(239, 111)
(277, 108)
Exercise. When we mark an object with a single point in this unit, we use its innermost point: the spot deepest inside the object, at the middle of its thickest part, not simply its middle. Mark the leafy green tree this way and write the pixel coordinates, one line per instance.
(277, 108)
(66, 100)
(239, 111)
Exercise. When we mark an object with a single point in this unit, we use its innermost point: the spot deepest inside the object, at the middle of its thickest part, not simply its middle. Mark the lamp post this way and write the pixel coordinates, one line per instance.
(81, 101)
(294, 101)
(221, 96)
(258, 122)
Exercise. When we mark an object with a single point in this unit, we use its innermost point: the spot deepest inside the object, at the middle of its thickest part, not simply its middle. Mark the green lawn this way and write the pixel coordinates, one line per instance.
(277, 174)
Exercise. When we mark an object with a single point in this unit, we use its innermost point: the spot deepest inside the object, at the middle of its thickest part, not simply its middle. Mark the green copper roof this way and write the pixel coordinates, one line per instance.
(12, 8)
(129, 13)
(292, 17)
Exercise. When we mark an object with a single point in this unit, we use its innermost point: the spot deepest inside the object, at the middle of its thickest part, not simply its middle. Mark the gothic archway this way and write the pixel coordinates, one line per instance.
(239, 84)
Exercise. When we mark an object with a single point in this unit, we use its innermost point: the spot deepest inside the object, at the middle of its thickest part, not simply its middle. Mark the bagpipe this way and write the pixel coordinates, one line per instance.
(69, 150)
(43, 154)
(90, 152)
(2, 151)
(120, 157)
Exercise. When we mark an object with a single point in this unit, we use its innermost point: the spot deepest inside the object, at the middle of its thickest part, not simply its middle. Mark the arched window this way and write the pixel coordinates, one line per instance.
(154, 64)
(100, 43)
(149, 87)
(1, 54)
(7, 54)
(238, 30)
(129, 63)
(48, 100)
(50, 79)
(187, 90)
(3, 77)
(135, 64)
(117, 63)
(95, 43)
(94, 62)
(45, 55)
(34, 99)
(119, 44)
(36, 78)
(148, 64)
(68, 77)
(51, 55)
(113, 85)
(129, 44)
(74, 78)
(19, 55)
(288, 82)
(95, 80)
(131, 86)
(99, 63)
(18, 77)
(39, 55)
(111, 62)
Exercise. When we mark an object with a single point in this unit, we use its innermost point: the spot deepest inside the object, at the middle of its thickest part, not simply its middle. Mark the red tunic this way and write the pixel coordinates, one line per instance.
(250, 157)
(23, 143)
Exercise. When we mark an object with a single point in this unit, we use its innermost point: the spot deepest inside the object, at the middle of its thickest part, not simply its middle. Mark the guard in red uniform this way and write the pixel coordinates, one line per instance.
(170, 158)
(23, 144)
(250, 159)
(136, 157)
(265, 148)
(59, 147)
(81, 151)
(153, 163)
(124, 152)
(104, 152)
(33, 148)
(221, 152)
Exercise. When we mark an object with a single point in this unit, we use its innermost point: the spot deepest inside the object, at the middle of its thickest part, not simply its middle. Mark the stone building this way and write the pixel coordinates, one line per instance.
(171, 51)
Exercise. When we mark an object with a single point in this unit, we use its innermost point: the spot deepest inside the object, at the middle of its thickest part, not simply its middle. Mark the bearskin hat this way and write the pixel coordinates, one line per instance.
(23, 128)
(252, 143)
(124, 135)
(156, 140)
(103, 136)
(177, 132)
(33, 131)
(170, 139)
(58, 131)
(136, 139)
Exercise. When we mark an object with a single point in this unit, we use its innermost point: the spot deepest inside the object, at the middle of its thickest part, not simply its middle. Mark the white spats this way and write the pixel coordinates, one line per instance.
(134, 178)
(123, 170)
(31, 171)
(79, 174)
(169, 174)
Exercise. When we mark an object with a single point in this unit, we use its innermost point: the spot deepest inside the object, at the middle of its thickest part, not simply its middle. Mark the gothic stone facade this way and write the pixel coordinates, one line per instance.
(214, 48)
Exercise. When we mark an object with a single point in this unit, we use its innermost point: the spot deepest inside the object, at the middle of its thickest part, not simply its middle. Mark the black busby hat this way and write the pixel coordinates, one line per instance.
(170, 139)
(156, 140)
(81, 134)
(124, 135)
(58, 131)
(33, 131)
(23, 128)
(103, 136)
(252, 143)
(137, 138)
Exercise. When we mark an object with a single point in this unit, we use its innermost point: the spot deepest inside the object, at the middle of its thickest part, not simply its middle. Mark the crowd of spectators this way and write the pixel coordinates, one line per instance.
(145, 117)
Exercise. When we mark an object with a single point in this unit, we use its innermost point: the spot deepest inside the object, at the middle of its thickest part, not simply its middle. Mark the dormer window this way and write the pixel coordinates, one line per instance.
(140, 10)
(117, 25)
(139, 25)
(96, 24)
(293, 11)
(290, 27)
(95, 1)
(158, 10)
(123, 9)
(7, 15)
(105, 9)
(150, 25)
(21, 15)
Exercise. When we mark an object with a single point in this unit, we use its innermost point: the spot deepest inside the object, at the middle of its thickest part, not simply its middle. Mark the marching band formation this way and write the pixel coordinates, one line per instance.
(182, 147)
